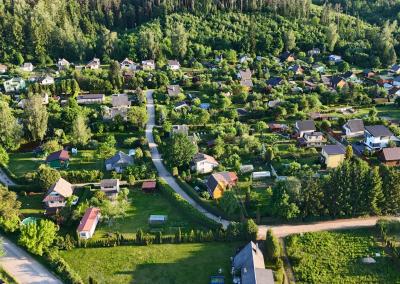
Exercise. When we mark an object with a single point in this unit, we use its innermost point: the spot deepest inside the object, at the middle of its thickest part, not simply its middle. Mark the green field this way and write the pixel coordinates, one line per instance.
(156, 264)
(142, 206)
(335, 257)
(21, 163)
(32, 205)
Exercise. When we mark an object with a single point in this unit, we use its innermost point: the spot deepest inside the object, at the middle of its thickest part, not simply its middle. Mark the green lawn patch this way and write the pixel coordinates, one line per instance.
(156, 264)
(32, 205)
(390, 111)
(21, 163)
(335, 257)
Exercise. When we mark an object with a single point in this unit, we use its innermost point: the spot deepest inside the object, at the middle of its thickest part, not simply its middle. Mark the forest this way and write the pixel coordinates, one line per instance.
(43, 31)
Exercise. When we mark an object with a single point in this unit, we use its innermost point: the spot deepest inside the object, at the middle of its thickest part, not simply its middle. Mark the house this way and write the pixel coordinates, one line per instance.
(395, 69)
(296, 69)
(62, 64)
(354, 128)
(242, 111)
(248, 84)
(203, 164)
(27, 67)
(173, 90)
(90, 99)
(93, 64)
(314, 51)
(314, 139)
(287, 56)
(174, 65)
(149, 186)
(3, 68)
(377, 136)
(219, 182)
(14, 85)
(120, 100)
(181, 105)
(57, 195)
(332, 155)
(110, 187)
(274, 81)
(334, 58)
(350, 76)
(368, 73)
(302, 127)
(88, 224)
(244, 74)
(249, 263)
(158, 219)
(58, 160)
(119, 162)
(390, 156)
(318, 67)
(148, 65)
(182, 129)
(274, 103)
(320, 116)
(337, 82)
(129, 64)
(260, 175)
(46, 80)
(111, 113)
(277, 127)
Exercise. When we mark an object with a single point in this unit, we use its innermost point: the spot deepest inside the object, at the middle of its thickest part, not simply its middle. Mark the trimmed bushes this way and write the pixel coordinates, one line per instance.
(58, 264)
(82, 176)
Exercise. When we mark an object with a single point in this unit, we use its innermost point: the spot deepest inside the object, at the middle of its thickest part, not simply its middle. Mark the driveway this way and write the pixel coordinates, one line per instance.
(23, 268)
(4, 179)
(162, 170)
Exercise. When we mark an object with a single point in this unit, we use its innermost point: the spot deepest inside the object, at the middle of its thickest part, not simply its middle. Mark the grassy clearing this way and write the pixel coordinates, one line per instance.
(390, 110)
(21, 163)
(156, 264)
(32, 205)
(335, 257)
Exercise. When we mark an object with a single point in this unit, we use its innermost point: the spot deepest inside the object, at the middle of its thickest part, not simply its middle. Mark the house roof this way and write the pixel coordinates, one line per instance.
(391, 154)
(225, 178)
(127, 61)
(250, 261)
(200, 157)
(149, 185)
(173, 90)
(119, 158)
(93, 62)
(274, 81)
(62, 187)
(173, 62)
(90, 97)
(88, 220)
(61, 155)
(305, 125)
(246, 83)
(333, 150)
(245, 74)
(284, 56)
(109, 182)
(335, 80)
(378, 130)
(355, 125)
(120, 100)
(148, 62)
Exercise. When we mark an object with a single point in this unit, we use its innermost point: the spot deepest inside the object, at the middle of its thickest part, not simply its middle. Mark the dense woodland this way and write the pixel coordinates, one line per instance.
(43, 31)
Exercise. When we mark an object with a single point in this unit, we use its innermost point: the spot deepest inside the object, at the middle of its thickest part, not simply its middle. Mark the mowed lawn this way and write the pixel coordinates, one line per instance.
(32, 205)
(335, 257)
(155, 264)
(142, 205)
(21, 163)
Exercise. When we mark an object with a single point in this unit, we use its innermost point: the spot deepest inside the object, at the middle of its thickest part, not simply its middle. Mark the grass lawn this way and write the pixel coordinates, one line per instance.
(32, 205)
(85, 160)
(335, 257)
(21, 163)
(142, 206)
(156, 264)
(390, 110)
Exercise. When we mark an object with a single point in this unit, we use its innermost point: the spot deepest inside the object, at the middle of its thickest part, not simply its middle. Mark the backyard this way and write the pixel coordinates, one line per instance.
(156, 264)
(335, 257)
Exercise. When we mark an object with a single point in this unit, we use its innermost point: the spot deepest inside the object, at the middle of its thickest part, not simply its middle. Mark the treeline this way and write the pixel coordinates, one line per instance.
(352, 189)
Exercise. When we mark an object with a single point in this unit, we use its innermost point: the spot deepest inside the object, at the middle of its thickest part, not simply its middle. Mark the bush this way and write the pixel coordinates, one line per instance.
(62, 268)
(82, 176)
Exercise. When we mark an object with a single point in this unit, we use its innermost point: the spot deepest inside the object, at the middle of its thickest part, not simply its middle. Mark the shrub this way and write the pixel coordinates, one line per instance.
(82, 176)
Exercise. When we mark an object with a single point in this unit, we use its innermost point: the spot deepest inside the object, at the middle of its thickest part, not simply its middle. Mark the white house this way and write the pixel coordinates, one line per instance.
(14, 85)
(93, 64)
(27, 67)
(377, 137)
(88, 224)
(174, 65)
(354, 128)
(202, 163)
(335, 58)
(90, 99)
(110, 187)
(129, 64)
(304, 126)
(46, 80)
(148, 65)
(56, 196)
(62, 64)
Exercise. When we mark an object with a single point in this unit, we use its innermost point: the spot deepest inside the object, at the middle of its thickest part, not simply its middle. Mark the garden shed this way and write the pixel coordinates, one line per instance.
(158, 219)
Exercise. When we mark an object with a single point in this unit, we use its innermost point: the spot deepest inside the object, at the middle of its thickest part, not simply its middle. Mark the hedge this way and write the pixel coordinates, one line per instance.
(187, 208)
(82, 176)
(207, 206)
(62, 268)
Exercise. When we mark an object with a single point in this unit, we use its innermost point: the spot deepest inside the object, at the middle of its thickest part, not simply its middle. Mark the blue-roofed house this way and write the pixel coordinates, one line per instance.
(204, 105)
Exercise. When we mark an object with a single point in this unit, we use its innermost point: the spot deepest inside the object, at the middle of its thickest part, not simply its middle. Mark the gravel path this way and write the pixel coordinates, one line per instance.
(4, 179)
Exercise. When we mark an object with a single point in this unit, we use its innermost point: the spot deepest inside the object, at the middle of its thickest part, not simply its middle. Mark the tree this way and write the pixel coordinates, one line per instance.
(80, 131)
(289, 39)
(37, 237)
(180, 150)
(47, 176)
(36, 117)
(10, 129)
(114, 75)
(272, 247)
(9, 209)
(179, 40)
(250, 230)
(269, 154)
(331, 36)
(391, 190)
(349, 152)
(229, 203)
(137, 116)
(4, 158)
(107, 148)
(51, 146)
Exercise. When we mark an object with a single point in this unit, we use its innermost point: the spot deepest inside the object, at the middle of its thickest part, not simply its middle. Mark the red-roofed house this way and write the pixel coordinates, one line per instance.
(88, 224)
(149, 186)
(219, 182)
(59, 159)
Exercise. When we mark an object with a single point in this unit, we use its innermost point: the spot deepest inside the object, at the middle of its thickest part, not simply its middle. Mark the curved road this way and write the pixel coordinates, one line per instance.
(23, 268)
(162, 170)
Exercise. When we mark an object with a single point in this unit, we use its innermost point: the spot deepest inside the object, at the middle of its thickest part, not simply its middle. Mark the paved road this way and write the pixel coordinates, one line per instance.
(286, 230)
(162, 171)
(4, 179)
(23, 268)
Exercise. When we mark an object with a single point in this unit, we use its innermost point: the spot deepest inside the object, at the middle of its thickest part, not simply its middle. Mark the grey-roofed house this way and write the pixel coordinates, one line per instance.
(390, 156)
(174, 65)
(110, 187)
(333, 155)
(377, 136)
(119, 100)
(182, 129)
(118, 162)
(173, 90)
(304, 126)
(90, 99)
(250, 263)
(354, 128)
(274, 81)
